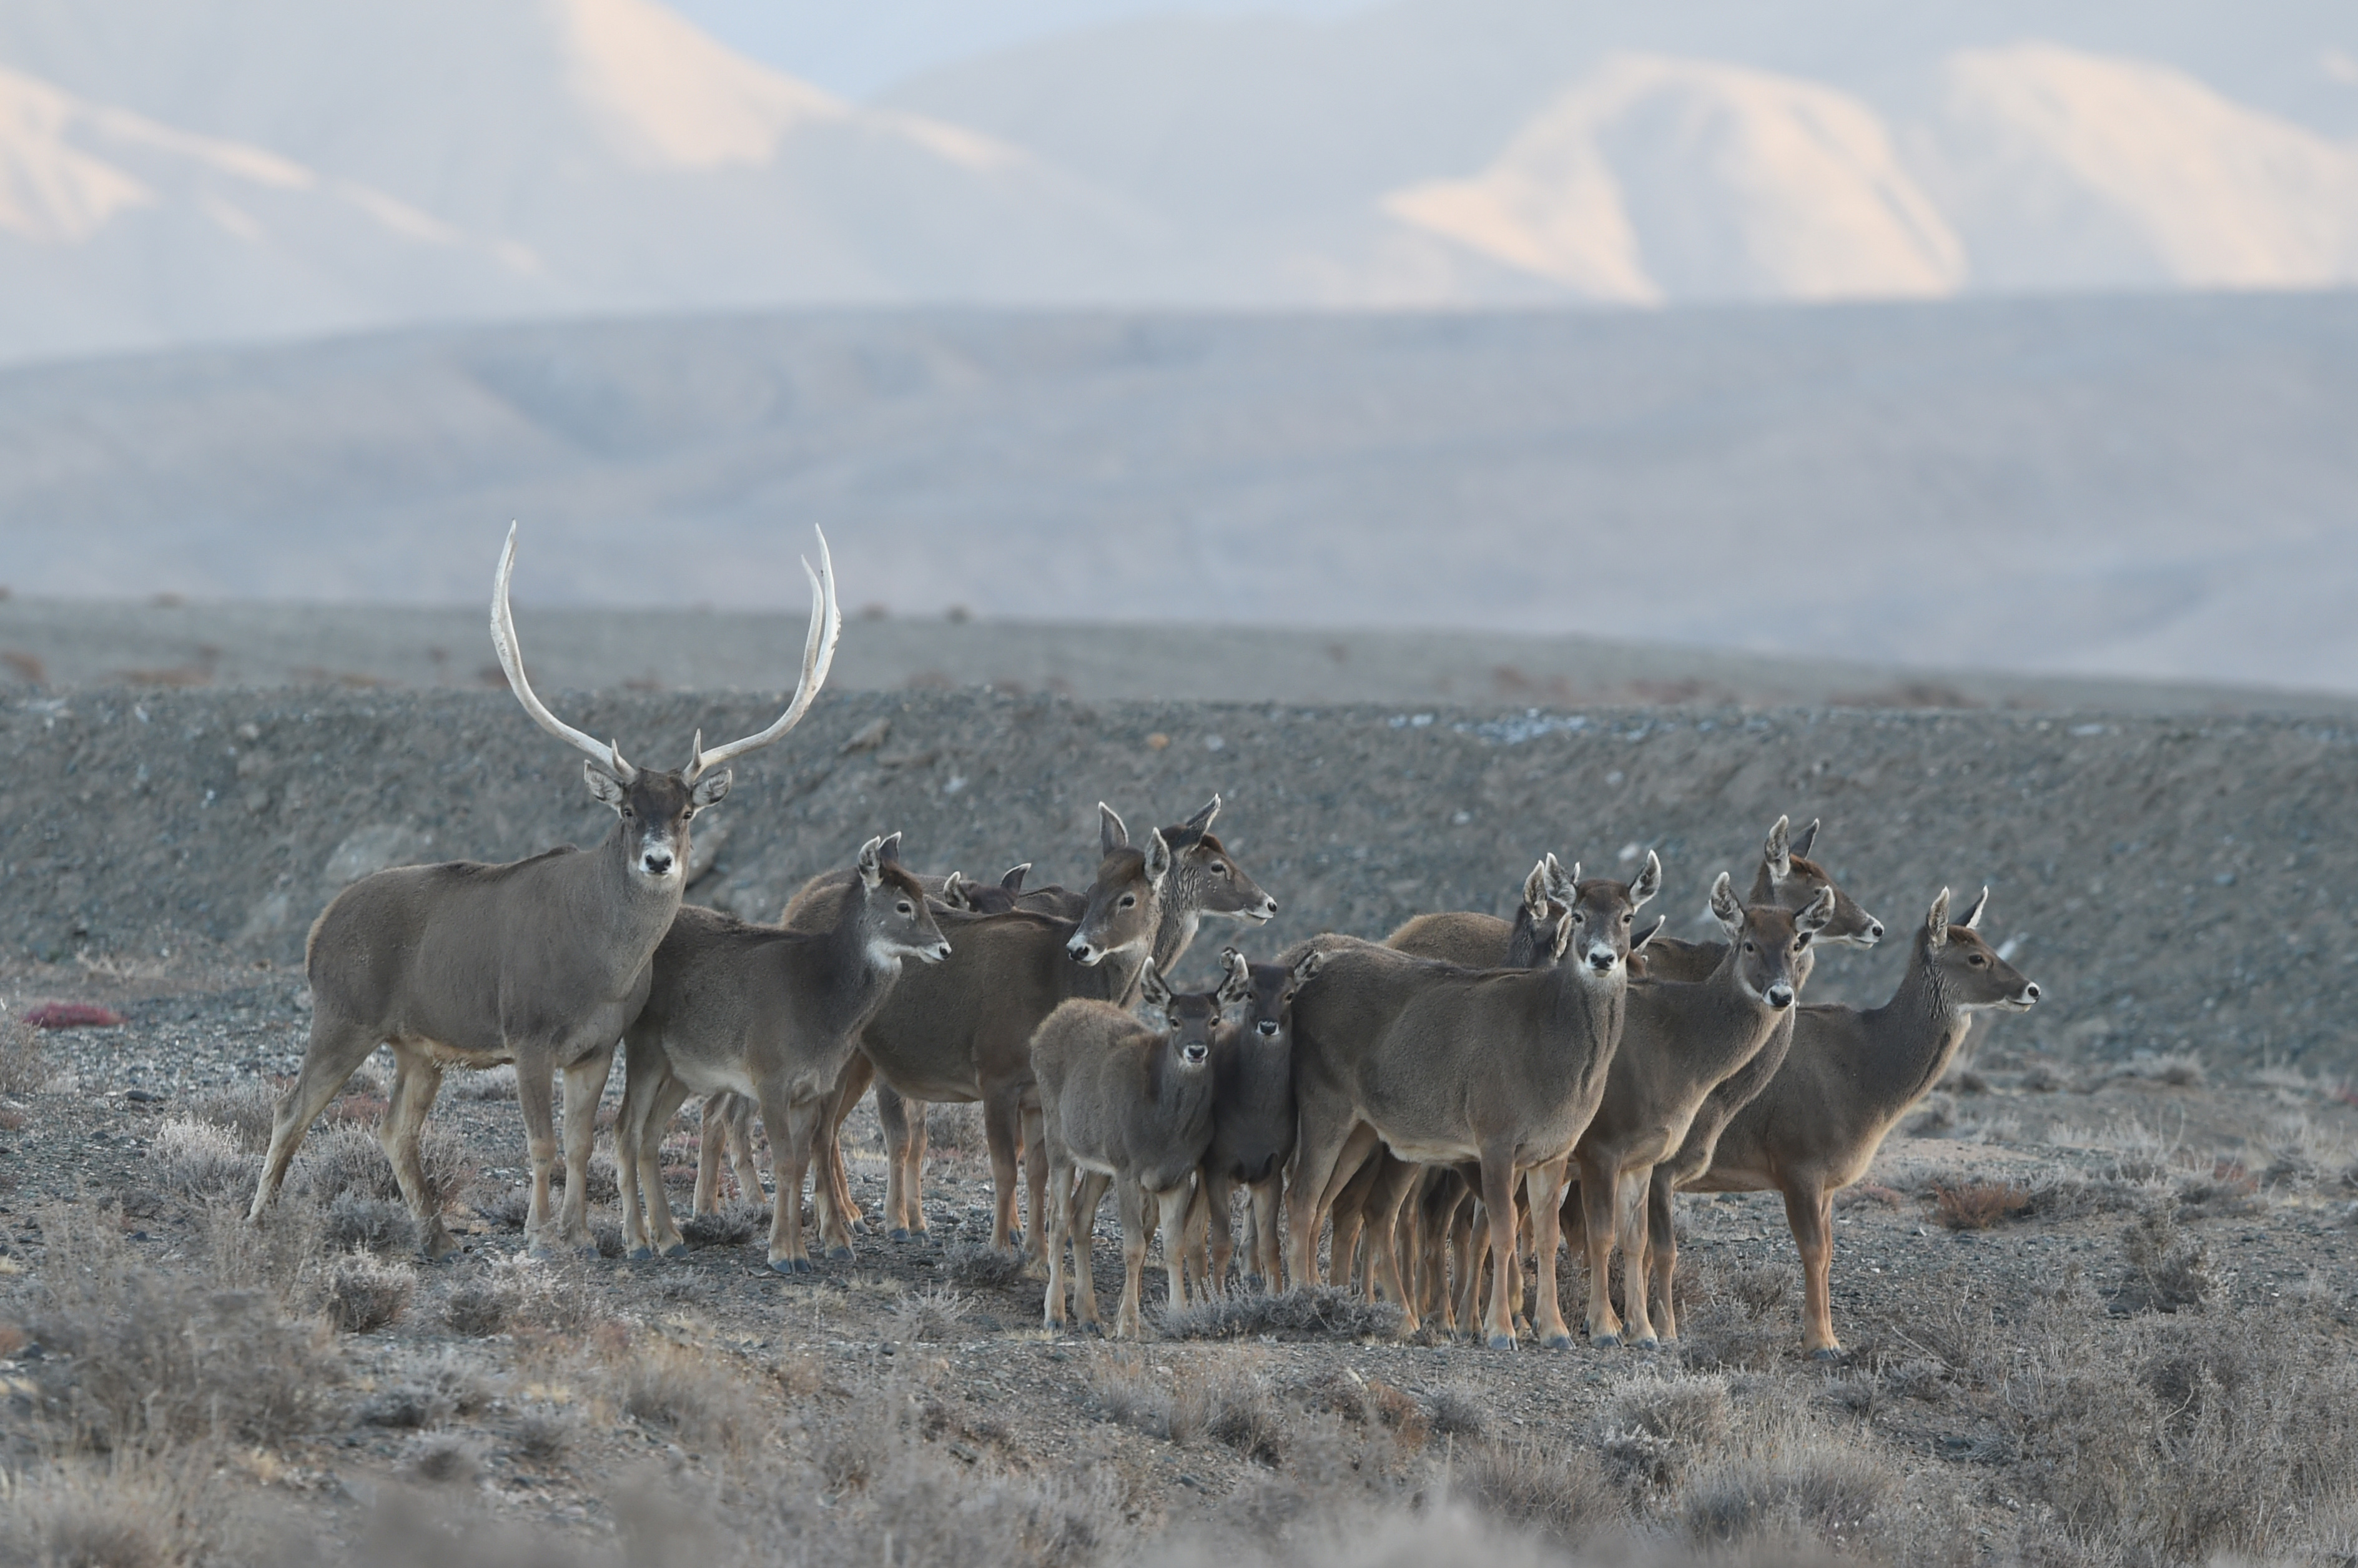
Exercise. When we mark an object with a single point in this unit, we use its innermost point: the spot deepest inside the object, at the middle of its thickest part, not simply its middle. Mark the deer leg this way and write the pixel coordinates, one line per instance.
(1173, 1203)
(737, 1133)
(1662, 1254)
(1542, 1184)
(643, 1063)
(893, 1116)
(1348, 1210)
(788, 1125)
(416, 1078)
(585, 1083)
(1599, 1199)
(1635, 1285)
(335, 1052)
(1060, 1233)
(1082, 1221)
(1215, 1244)
(669, 1096)
(1498, 1198)
(913, 1166)
(1033, 1149)
(1472, 1262)
(1261, 1216)
(536, 1102)
(999, 1134)
(1811, 1215)
(833, 1222)
(712, 1137)
(1314, 1163)
(1131, 1199)
(1393, 1179)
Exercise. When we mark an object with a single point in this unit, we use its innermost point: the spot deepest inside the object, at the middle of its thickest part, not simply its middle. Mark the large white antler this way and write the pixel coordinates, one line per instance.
(818, 653)
(503, 638)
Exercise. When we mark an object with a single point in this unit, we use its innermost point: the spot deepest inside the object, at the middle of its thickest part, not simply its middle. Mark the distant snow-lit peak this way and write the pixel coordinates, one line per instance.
(1655, 178)
(674, 98)
(2068, 168)
(52, 191)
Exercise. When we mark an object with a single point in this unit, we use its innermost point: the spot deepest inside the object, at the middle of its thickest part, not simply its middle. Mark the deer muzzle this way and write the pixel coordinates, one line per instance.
(1780, 996)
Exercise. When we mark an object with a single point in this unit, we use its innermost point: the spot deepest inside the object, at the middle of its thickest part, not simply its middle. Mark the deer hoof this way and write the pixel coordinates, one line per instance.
(1558, 1341)
(790, 1265)
(436, 1243)
(640, 1254)
(1604, 1341)
(839, 1254)
(1827, 1353)
(676, 1249)
(898, 1233)
(1649, 1343)
(1500, 1341)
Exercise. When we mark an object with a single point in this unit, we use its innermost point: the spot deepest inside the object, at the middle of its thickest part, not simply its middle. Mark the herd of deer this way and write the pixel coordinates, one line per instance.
(1456, 1100)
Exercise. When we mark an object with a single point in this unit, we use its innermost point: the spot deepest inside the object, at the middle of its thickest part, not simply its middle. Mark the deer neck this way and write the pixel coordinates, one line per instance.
(1174, 931)
(859, 976)
(1724, 1023)
(1911, 1039)
(623, 911)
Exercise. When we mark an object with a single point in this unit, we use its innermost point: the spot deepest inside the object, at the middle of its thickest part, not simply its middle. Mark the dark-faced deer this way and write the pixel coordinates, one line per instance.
(1130, 1104)
(1680, 1039)
(1252, 1124)
(1850, 1077)
(769, 1014)
(540, 962)
(1442, 1064)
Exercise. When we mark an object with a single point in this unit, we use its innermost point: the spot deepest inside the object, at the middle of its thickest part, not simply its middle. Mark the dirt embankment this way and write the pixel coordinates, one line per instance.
(2171, 883)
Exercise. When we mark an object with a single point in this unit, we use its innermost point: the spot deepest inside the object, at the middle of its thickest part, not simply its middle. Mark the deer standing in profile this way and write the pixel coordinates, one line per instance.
(1130, 1104)
(768, 1014)
(541, 962)
(1851, 1075)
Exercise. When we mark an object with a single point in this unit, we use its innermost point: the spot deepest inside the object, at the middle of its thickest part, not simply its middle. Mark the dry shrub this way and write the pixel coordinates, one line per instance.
(1341, 1391)
(1758, 1289)
(198, 1160)
(2044, 1078)
(1453, 1411)
(1785, 1486)
(246, 1110)
(2209, 1436)
(1557, 1490)
(444, 1458)
(733, 1224)
(2177, 1069)
(24, 1064)
(599, 1181)
(478, 1307)
(348, 1159)
(1126, 1392)
(358, 1223)
(1231, 1406)
(2066, 1195)
(139, 1358)
(2168, 1270)
(931, 1314)
(544, 1432)
(1977, 1206)
(2226, 1191)
(1692, 1410)
(700, 1402)
(1321, 1312)
(984, 1267)
(491, 1084)
(127, 1512)
(429, 1395)
(360, 1293)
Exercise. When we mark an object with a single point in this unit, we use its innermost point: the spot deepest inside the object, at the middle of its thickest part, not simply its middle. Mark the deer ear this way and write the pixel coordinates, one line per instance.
(953, 894)
(871, 863)
(1936, 924)
(1112, 834)
(1809, 835)
(889, 850)
(1775, 853)
(709, 790)
(1535, 891)
(1238, 987)
(1309, 964)
(1158, 857)
(1649, 882)
(1646, 936)
(1562, 938)
(1201, 821)
(1972, 921)
(1013, 881)
(1820, 910)
(1724, 906)
(603, 786)
(1152, 991)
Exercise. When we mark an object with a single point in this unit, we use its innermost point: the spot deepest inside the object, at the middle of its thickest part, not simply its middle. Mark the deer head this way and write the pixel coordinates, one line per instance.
(1765, 940)
(1125, 903)
(1789, 878)
(894, 921)
(1966, 971)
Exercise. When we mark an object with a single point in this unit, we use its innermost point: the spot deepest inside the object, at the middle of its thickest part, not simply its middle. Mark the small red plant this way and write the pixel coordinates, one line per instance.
(71, 1015)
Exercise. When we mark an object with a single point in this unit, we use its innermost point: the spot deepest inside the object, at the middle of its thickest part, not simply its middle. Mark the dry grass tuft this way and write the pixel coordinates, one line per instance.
(1323, 1312)
(2176, 1069)
(1231, 1406)
(544, 1432)
(445, 1459)
(358, 1223)
(1783, 1488)
(360, 1293)
(2226, 1190)
(1455, 1411)
(735, 1225)
(198, 1160)
(2168, 1270)
(246, 1110)
(931, 1314)
(1558, 1491)
(346, 1159)
(491, 1084)
(1977, 1204)
(24, 1064)
(127, 1512)
(984, 1267)
(685, 1394)
(139, 1358)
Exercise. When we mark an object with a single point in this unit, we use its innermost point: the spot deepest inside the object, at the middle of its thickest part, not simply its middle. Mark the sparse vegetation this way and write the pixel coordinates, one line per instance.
(361, 1292)
(24, 1064)
(1325, 1312)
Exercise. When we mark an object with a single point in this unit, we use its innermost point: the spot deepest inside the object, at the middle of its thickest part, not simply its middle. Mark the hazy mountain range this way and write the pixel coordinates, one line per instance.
(176, 171)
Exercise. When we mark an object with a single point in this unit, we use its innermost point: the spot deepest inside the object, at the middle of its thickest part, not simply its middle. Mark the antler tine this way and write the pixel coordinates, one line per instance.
(818, 655)
(503, 640)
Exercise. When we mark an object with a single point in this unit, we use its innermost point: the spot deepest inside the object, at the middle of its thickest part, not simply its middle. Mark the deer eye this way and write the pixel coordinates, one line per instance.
(903, 907)
(1218, 869)
(1751, 947)
(1127, 900)
(1628, 918)
(1977, 961)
